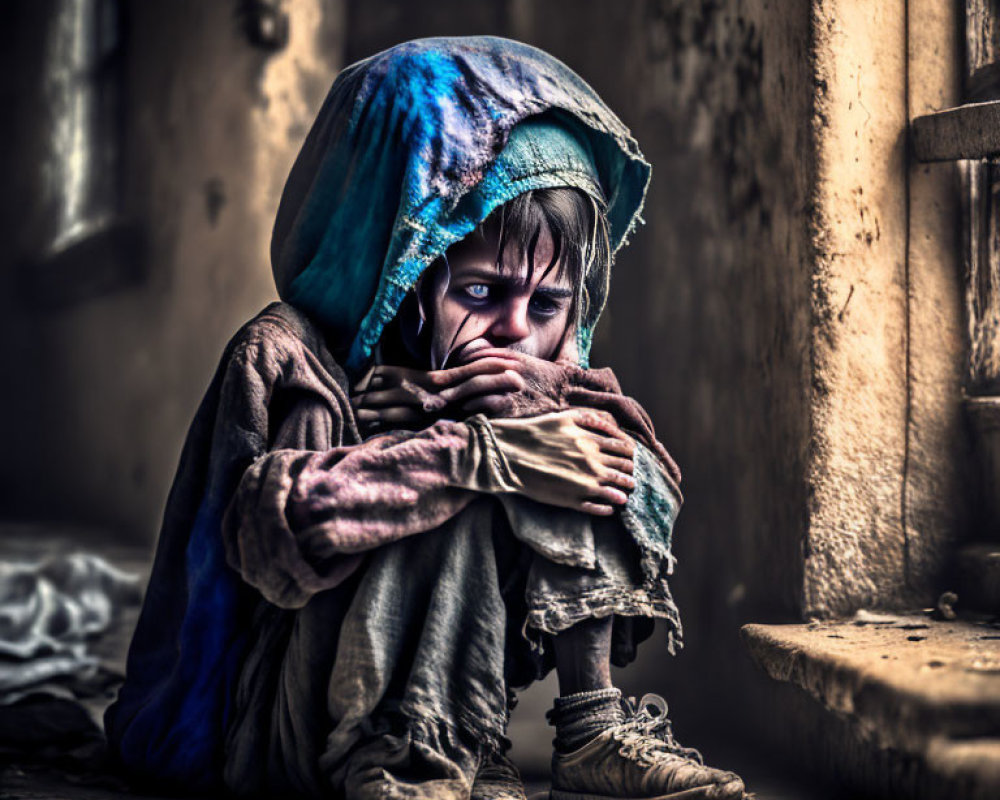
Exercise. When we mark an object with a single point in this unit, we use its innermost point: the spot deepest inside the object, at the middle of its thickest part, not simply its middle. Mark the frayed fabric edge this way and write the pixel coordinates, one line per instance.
(552, 615)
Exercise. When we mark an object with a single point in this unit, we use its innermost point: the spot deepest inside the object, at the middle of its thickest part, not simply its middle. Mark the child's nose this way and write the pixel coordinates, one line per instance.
(512, 323)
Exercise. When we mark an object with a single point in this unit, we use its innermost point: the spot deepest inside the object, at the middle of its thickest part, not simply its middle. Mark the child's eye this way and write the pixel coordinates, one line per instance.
(545, 306)
(477, 291)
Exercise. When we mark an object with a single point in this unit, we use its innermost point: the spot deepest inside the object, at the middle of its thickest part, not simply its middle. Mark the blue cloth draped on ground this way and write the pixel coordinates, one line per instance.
(402, 161)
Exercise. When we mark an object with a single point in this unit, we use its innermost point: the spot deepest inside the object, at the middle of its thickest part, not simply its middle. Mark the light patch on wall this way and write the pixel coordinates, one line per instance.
(88, 248)
(289, 100)
(79, 170)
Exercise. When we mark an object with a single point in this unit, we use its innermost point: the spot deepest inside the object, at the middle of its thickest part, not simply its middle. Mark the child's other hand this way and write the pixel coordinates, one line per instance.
(577, 459)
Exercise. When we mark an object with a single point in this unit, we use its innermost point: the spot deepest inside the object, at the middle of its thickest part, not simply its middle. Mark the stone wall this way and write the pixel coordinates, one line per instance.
(888, 497)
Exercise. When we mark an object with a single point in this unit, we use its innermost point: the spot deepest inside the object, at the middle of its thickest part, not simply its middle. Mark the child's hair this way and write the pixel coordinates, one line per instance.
(578, 225)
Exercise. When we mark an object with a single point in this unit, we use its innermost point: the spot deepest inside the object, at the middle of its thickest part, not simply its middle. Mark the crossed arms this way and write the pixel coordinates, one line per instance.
(308, 509)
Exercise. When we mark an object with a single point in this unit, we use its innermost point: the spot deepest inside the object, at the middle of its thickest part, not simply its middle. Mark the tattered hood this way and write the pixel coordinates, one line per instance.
(413, 148)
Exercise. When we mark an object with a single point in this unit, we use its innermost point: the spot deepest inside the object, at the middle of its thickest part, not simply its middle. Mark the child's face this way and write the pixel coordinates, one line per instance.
(481, 306)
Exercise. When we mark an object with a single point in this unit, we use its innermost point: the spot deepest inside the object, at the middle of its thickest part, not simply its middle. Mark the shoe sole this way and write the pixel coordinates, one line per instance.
(696, 793)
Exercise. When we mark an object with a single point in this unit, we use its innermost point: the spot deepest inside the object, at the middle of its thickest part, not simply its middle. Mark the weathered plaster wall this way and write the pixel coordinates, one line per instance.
(855, 541)
(720, 288)
(709, 326)
(939, 462)
(111, 383)
(790, 314)
(887, 446)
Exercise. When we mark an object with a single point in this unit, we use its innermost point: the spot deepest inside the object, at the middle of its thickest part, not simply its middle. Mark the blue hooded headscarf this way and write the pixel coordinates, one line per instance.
(413, 148)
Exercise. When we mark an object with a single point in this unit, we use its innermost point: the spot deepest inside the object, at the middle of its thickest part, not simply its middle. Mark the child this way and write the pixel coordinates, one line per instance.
(405, 492)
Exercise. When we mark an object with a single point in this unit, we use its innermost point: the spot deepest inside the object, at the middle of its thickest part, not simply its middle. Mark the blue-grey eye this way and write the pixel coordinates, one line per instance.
(478, 291)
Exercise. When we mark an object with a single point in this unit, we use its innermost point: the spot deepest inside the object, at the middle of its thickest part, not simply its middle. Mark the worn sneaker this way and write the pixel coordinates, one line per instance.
(640, 759)
(497, 779)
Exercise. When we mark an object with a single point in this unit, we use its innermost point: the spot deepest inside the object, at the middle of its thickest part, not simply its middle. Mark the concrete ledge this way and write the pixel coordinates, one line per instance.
(925, 691)
(969, 131)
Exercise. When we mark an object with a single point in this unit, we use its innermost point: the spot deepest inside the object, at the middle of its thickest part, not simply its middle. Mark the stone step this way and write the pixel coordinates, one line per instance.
(913, 702)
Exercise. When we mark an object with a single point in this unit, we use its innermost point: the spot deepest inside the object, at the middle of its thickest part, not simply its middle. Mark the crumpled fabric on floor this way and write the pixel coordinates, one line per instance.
(48, 612)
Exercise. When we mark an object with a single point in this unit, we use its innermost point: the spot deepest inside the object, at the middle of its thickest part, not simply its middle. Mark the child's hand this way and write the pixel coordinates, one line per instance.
(577, 459)
(399, 397)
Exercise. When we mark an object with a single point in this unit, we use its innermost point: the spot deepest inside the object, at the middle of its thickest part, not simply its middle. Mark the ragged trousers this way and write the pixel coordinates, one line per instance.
(395, 684)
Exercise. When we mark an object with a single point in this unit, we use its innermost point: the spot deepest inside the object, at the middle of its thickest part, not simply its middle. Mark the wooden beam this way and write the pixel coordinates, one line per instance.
(969, 131)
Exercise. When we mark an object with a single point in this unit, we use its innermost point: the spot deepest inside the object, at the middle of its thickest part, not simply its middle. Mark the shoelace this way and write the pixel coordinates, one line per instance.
(645, 735)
